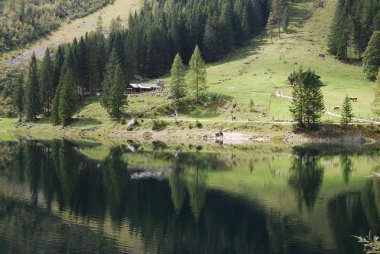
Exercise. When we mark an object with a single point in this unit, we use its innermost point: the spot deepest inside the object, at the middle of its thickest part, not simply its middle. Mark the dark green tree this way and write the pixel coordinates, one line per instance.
(59, 58)
(46, 82)
(117, 94)
(108, 81)
(32, 92)
(371, 59)
(376, 101)
(307, 104)
(198, 73)
(346, 112)
(66, 100)
(18, 95)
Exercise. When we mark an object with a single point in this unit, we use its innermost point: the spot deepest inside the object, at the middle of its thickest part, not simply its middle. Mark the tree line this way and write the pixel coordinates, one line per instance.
(23, 21)
(355, 21)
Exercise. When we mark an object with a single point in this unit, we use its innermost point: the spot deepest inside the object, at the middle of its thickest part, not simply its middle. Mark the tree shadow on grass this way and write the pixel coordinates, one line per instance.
(254, 45)
(82, 122)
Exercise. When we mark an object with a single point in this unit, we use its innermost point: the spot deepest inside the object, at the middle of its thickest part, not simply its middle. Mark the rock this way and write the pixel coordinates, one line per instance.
(131, 123)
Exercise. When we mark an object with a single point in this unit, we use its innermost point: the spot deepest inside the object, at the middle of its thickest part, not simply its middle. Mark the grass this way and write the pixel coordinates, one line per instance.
(261, 69)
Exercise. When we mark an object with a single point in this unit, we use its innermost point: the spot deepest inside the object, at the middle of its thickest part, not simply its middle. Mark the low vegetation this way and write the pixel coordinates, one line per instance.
(23, 21)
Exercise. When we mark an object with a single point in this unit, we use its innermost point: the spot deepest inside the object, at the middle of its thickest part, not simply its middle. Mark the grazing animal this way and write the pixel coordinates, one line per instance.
(336, 108)
(355, 99)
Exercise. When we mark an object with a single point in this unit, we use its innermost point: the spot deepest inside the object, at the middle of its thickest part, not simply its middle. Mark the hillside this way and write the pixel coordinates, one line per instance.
(70, 30)
(260, 70)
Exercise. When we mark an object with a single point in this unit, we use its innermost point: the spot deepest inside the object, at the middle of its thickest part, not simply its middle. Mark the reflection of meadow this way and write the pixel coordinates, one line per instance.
(225, 199)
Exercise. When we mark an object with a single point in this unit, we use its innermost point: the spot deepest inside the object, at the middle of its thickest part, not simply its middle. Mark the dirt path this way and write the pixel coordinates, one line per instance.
(76, 28)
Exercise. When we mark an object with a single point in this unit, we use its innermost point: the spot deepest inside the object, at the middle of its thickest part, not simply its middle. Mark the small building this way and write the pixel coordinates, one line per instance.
(141, 88)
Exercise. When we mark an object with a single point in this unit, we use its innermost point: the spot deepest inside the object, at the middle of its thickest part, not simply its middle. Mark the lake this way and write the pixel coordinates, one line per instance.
(63, 196)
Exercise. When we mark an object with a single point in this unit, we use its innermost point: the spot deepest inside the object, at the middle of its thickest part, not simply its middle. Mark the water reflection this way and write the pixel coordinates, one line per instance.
(55, 197)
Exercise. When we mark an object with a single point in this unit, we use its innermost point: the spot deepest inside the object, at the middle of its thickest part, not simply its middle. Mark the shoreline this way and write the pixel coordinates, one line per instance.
(183, 131)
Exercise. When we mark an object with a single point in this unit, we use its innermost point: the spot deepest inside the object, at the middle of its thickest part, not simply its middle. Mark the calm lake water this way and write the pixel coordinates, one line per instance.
(70, 197)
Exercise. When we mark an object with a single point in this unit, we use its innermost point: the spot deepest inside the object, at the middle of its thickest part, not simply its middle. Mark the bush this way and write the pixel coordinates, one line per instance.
(198, 124)
(159, 125)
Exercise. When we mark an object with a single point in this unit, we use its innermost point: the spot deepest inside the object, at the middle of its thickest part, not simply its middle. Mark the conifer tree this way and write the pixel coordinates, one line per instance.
(307, 104)
(108, 81)
(59, 58)
(117, 94)
(18, 95)
(54, 116)
(32, 101)
(68, 97)
(346, 112)
(376, 101)
(198, 73)
(99, 25)
(371, 59)
(177, 82)
(46, 83)
(83, 74)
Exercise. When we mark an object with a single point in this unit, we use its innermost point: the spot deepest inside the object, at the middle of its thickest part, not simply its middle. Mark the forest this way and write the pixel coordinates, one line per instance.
(146, 49)
(353, 24)
(24, 21)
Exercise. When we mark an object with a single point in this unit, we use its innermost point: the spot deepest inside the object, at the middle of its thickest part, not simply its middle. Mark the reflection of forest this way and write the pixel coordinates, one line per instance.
(180, 214)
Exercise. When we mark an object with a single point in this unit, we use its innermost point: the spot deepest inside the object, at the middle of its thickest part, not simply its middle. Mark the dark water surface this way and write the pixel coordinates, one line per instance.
(67, 197)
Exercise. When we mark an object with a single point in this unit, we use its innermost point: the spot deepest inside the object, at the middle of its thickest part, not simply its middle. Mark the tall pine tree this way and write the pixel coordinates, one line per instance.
(177, 82)
(46, 83)
(371, 60)
(198, 73)
(18, 95)
(32, 92)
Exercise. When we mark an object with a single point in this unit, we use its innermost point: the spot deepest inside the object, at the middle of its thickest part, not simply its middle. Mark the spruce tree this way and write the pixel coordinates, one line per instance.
(117, 94)
(59, 59)
(32, 101)
(346, 112)
(82, 66)
(46, 83)
(177, 82)
(18, 95)
(68, 97)
(66, 100)
(108, 81)
(307, 104)
(54, 116)
(376, 101)
(198, 73)
(371, 59)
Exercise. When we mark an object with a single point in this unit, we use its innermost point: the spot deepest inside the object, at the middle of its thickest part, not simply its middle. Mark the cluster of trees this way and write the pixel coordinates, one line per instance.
(178, 86)
(354, 23)
(164, 28)
(307, 104)
(146, 49)
(56, 86)
(279, 17)
(22, 21)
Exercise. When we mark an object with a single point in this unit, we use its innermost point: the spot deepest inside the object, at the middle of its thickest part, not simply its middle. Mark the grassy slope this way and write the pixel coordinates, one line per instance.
(76, 28)
(261, 69)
